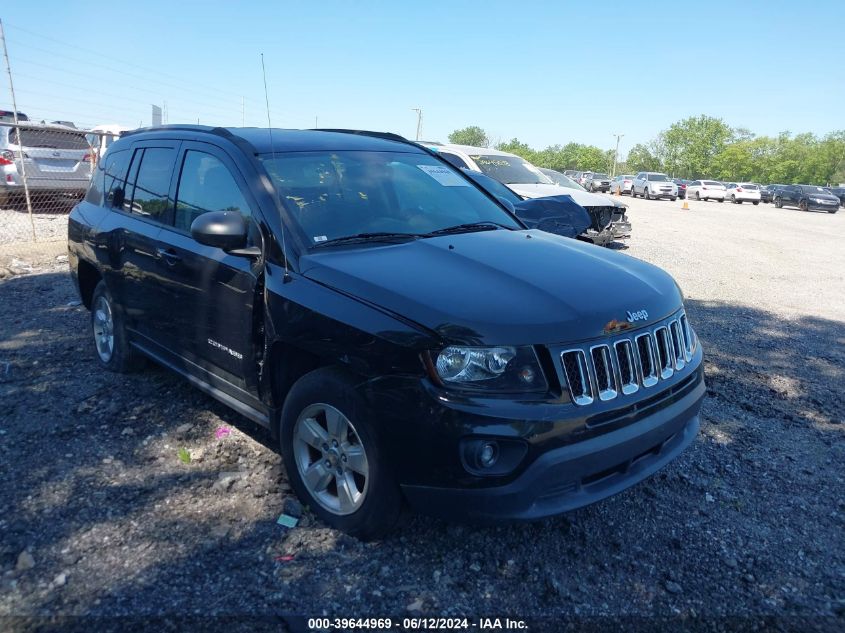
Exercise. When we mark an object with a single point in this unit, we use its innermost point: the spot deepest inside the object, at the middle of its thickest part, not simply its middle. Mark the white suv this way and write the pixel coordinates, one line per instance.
(652, 184)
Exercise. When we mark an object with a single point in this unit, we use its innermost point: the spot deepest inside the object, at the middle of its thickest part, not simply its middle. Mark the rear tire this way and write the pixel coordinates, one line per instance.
(111, 344)
(697, 196)
(673, 199)
(721, 200)
(363, 499)
(755, 203)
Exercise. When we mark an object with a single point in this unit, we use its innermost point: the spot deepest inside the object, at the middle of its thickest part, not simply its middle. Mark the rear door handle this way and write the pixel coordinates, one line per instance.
(169, 255)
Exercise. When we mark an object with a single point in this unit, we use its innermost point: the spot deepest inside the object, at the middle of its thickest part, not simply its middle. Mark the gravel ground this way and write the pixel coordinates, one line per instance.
(15, 225)
(99, 516)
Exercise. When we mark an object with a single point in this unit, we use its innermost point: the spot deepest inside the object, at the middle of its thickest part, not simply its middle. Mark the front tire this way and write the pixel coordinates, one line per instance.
(334, 458)
(646, 194)
(755, 203)
(111, 344)
(802, 205)
(778, 203)
(697, 196)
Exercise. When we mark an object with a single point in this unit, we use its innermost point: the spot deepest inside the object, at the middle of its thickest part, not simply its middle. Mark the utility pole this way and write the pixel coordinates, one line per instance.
(616, 154)
(17, 131)
(419, 121)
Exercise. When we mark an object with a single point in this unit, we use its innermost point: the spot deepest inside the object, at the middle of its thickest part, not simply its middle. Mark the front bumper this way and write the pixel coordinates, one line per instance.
(580, 473)
(822, 206)
(663, 194)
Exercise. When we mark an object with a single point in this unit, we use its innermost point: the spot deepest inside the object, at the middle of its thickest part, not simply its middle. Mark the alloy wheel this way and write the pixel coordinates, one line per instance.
(331, 459)
(103, 329)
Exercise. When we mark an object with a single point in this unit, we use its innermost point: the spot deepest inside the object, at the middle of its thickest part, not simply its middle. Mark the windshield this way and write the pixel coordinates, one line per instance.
(712, 183)
(657, 178)
(604, 176)
(491, 185)
(346, 193)
(561, 179)
(510, 170)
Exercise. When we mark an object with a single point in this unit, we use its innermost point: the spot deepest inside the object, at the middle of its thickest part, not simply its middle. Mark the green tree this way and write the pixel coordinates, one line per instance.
(641, 158)
(515, 146)
(472, 135)
(691, 145)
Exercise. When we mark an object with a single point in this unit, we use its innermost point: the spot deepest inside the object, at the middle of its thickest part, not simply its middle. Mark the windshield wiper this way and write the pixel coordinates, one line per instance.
(487, 225)
(367, 237)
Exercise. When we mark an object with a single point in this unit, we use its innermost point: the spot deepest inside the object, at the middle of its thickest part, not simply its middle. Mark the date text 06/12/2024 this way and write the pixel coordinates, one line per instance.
(416, 624)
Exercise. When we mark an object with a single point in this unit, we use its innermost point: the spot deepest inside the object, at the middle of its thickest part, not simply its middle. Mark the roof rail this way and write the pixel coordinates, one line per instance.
(176, 126)
(388, 136)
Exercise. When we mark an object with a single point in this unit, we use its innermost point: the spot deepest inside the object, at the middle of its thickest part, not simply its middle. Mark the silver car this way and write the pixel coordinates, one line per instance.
(598, 182)
(652, 184)
(56, 160)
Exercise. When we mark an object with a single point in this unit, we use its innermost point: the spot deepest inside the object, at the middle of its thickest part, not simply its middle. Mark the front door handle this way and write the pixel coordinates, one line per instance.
(169, 255)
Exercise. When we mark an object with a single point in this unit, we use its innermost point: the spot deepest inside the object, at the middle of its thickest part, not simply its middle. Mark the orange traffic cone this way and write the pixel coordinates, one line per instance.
(685, 206)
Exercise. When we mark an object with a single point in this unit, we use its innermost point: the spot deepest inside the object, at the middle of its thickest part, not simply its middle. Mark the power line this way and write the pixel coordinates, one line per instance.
(87, 60)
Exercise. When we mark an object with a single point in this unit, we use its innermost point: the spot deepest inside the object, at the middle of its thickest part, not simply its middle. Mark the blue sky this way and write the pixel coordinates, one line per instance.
(544, 72)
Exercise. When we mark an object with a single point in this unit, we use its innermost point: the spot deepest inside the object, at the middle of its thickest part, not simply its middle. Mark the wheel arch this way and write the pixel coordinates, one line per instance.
(88, 277)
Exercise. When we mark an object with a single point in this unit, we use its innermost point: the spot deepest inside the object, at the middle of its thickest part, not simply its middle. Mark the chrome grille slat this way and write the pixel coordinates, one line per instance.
(621, 367)
(677, 345)
(647, 359)
(577, 376)
(665, 358)
(604, 372)
(628, 380)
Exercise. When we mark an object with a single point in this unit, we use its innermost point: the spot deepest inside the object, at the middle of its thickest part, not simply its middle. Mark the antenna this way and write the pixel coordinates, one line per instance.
(273, 153)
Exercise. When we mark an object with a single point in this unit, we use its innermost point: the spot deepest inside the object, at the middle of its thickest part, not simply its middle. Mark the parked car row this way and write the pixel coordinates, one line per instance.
(609, 219)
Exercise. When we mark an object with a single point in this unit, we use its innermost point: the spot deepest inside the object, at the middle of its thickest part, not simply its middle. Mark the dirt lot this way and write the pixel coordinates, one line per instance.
(99, 516)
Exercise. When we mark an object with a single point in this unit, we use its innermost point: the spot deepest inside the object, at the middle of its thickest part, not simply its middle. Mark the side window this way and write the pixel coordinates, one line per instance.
(149, 198)
(206, 184)
(454, 160)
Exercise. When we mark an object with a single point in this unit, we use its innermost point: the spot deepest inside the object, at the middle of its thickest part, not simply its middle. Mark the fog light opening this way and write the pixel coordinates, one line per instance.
(488, 453)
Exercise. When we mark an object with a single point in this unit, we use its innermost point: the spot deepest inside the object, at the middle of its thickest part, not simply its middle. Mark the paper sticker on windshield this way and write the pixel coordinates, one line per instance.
(444, 176)
(320, 238)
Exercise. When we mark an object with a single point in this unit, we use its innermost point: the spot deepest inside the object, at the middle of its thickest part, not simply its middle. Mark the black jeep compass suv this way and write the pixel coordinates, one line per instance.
(398, 329)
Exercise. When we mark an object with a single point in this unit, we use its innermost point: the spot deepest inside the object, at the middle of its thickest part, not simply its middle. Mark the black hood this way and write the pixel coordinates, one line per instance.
(500, 287)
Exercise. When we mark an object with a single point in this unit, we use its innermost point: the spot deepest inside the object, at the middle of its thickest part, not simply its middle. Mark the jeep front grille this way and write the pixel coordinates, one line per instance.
(627, 364)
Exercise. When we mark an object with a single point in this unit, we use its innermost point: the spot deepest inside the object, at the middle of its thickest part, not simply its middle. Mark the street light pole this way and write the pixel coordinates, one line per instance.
(616, 154)
(419, 121)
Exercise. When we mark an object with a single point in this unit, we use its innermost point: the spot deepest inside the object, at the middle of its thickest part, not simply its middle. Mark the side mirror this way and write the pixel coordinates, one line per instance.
(507, 204)
(221, 229)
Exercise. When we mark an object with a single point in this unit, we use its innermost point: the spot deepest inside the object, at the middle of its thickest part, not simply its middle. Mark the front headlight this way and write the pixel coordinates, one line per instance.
(501, 368)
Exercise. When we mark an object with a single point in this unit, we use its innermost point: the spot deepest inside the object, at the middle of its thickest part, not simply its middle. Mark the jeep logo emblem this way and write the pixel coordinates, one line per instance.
(640, 315)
